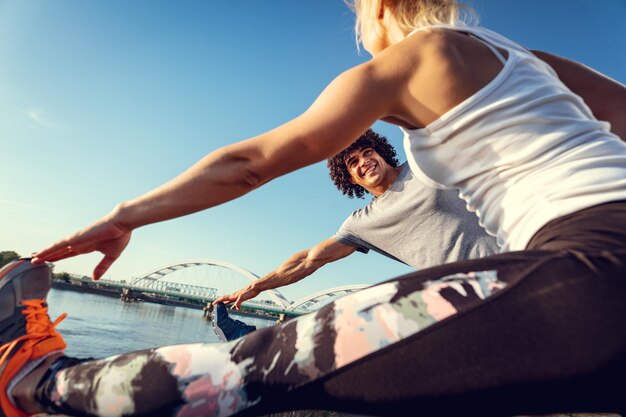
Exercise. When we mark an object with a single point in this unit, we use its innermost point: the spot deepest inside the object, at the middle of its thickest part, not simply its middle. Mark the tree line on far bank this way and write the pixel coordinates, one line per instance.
(9, 256)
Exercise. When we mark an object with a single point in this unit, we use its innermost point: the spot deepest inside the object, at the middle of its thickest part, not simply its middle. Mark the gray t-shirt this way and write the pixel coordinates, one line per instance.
(417, 225)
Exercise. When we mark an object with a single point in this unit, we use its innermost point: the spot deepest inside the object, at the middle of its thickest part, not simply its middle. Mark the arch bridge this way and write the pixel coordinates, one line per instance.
(204, 279)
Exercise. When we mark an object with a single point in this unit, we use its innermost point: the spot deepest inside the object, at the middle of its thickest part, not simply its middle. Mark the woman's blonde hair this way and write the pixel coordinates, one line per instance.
(412, 14)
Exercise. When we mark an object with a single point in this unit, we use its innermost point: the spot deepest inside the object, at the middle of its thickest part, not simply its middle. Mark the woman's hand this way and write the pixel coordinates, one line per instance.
(105, 236)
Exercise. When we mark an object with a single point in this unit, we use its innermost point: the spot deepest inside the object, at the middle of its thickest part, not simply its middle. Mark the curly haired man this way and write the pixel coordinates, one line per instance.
(406, 221)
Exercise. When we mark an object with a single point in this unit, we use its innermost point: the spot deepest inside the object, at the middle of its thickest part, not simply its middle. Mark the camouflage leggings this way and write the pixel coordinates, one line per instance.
(530, 332)
(542, 333)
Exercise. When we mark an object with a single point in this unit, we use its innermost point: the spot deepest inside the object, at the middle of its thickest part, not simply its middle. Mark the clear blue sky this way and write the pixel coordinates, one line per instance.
(101, 101)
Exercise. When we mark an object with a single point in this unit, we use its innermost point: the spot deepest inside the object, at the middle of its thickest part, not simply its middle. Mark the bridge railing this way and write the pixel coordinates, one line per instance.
(203, 295)
(208, 296)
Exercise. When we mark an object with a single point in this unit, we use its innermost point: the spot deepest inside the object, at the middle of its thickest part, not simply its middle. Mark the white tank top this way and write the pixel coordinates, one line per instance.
(522, 151)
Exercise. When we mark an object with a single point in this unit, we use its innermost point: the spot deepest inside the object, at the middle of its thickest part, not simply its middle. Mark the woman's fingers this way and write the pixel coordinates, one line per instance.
(103, 236)
(38, 260)
(54, 252)
(103, 266)
(59, 252)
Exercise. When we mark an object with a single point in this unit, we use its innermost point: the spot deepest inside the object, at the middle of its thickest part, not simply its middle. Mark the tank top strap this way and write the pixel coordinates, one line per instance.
(492, 48)
(470, 31)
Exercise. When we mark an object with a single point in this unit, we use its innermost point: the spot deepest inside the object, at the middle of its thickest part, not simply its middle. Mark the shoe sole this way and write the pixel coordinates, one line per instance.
(220, 334)
(4, 272)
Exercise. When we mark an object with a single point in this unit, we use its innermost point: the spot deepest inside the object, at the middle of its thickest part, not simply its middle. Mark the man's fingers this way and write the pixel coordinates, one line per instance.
(220, 300)
(237, 305)
(236, 297)
(226, 299)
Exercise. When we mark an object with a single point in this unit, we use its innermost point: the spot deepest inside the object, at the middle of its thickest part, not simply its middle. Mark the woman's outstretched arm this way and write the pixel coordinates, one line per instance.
(344, 110)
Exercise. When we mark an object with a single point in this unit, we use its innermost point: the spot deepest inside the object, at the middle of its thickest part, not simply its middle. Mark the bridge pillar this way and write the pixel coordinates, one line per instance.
(206, 310)
(127, 295)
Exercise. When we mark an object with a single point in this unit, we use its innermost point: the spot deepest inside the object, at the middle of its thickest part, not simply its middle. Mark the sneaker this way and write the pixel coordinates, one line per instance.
(26, 335)
(227, 328)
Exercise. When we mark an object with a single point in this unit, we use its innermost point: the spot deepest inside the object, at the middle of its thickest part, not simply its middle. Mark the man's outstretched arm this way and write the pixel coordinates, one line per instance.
(605, 97)
(298, 266)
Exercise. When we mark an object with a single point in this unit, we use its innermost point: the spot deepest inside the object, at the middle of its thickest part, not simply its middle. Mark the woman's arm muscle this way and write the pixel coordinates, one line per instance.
(344, 110)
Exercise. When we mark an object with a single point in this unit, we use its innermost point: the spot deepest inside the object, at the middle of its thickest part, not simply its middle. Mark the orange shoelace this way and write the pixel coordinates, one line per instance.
(38, 328)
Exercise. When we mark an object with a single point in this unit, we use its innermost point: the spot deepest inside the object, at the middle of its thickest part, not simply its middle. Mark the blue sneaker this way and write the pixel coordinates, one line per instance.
(227, 328)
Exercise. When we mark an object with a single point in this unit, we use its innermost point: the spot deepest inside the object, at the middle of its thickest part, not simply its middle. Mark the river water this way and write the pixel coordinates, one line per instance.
(99, 326)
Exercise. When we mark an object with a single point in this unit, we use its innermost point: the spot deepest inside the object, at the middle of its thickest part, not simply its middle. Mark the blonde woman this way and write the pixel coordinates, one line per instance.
(536, 329)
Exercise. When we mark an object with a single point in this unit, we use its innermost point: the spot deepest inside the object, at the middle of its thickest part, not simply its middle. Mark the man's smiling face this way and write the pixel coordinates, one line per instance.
(367, 168)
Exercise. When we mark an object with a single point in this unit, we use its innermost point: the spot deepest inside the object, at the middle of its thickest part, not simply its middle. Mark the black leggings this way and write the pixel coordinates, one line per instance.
(531, 332)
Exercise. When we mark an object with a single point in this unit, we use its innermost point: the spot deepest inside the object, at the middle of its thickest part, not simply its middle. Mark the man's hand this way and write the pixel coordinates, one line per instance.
(238, 297)
(298, 266)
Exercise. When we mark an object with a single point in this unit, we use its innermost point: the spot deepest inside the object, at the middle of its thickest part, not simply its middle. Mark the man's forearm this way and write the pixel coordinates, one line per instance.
(293, 270)
(303, 264)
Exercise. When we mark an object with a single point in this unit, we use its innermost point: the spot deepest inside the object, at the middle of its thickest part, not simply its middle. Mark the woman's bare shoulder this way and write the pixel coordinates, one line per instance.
(421, 53)
(433, 71)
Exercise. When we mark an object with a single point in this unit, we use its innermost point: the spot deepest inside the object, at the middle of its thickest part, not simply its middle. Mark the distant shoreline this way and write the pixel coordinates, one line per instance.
(117, 292)
(114, 292)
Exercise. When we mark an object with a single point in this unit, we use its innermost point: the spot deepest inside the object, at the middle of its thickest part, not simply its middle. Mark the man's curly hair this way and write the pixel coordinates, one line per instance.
(337, 164)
